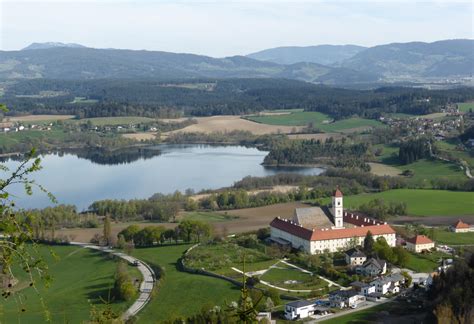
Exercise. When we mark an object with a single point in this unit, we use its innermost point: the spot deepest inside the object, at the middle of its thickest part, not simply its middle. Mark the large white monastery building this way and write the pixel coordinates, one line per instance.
(316, 229)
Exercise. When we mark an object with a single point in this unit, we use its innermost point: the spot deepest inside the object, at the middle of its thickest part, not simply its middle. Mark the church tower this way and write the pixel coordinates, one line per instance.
(337, 209)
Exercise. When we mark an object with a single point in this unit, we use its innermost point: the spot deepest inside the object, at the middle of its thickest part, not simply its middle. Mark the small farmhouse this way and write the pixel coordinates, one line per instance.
(461, 227)
(345, 298)
(419, 243)
(355, 257)
(315, 230)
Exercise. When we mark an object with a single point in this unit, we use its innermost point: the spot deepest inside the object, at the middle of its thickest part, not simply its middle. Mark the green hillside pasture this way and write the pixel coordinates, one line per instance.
(181, 293)
(29, 138)
(207, 217)
(465, 106)
(281, 274)
(452, 150)
(301, 118)
(113, 121)
(444, 236)
(350, 125)
(421, 202)
(80, 278)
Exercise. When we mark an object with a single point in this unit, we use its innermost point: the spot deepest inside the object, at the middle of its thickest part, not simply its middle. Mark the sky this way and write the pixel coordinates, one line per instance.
(224, 28)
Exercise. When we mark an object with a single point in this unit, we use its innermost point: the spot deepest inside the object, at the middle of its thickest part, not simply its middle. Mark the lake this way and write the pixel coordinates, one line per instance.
(80, 181)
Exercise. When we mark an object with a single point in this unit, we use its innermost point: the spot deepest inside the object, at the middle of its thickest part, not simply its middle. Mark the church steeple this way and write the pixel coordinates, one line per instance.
(337, 209)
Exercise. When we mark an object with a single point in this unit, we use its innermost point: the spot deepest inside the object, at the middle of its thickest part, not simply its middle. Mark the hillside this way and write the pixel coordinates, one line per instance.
(88, 63)
(320, 54)
(417, 59)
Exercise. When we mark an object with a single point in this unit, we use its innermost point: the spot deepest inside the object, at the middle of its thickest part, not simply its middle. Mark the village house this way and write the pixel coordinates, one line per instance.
(315, 230)
(345, 298)
(363, 288)
(355, 257)
(461, 227)
(372, 267)
(299, 309)
(390, 284)
(419, 243)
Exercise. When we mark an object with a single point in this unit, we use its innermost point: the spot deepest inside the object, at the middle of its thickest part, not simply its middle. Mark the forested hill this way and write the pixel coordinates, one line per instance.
(321, 54)
(89, 63)
(417, 59)
(206, 97)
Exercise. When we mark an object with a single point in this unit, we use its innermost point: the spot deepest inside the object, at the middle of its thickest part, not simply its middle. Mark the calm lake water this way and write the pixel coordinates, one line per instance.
(78, 181)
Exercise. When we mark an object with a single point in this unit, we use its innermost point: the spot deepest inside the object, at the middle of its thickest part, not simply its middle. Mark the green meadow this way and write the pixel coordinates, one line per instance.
(319, 120)
(466, 106)
(421, 202)
(112, 121)
(80, 278)
(181, 293)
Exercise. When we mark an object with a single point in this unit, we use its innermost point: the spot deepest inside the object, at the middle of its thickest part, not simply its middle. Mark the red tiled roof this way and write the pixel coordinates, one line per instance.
(329, 234)
(460, 224)
(292, 228)
(419, 239)
(338, 193)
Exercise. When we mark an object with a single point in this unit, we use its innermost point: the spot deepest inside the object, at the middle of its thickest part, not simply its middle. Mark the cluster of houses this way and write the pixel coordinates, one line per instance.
(427, 126)
(315, 230)
(6, 127)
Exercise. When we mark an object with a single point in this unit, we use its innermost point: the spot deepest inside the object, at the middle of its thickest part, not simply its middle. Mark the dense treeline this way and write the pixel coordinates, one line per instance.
(330, 152)
(229, 96)
(159, 207)
(413, 150)
(451, 295)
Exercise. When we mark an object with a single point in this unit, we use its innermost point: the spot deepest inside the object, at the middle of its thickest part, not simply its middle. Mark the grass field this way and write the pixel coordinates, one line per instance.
(220, 258)
(424, 170)
(207, 216)
(181, 293)
(444, 236)
(428, 262)
(38, 119)
(465, 106)
(359, 317)
(303, 118)
(351, 124)
(452, 150)
(298, 118)
(281, 273)
(80, 277)
(111, 121)
(30, 137)
(83, 100)
(421, 202)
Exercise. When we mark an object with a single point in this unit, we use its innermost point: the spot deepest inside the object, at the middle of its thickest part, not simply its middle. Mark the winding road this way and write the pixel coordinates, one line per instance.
(146, 286)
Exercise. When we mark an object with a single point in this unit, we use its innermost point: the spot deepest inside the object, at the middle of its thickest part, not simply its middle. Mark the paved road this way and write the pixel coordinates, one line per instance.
(146, 286)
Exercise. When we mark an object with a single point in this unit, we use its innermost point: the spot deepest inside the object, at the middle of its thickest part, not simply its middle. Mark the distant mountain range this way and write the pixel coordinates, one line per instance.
(327, 64)
(46, 45)
(320, 54)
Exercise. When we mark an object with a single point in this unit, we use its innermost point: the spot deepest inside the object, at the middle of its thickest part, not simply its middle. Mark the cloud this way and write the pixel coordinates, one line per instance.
(221, 28)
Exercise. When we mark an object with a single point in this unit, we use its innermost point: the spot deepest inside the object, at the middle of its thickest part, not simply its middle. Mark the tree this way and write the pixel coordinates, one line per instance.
(408, 278)
(107, 231)
(401, 256)
(383, 250)
(16, 254)
(369, 243)
(129, 232)
(123, 285)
